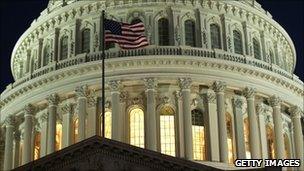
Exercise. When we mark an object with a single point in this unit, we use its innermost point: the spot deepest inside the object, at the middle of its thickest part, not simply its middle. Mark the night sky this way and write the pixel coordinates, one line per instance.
(17, 15)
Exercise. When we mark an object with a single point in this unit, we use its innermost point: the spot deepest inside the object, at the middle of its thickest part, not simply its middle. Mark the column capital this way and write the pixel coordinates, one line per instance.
(67, 108)
(114, 85)
(275, 101)
(249, 92)
(82, 91)
(123, 96)
(17, 135)
(208, 97)
(29, 109)
(184, 83)
(238, 102)
(9, 121)
(295, 112)
(92, 101)
(150, 83)
(53, 99)
(219, 86)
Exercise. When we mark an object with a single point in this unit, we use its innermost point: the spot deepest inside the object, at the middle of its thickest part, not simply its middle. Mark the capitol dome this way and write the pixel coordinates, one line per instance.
(215, 84)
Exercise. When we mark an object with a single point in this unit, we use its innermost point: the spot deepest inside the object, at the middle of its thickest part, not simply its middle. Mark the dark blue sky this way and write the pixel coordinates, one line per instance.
(17, 15)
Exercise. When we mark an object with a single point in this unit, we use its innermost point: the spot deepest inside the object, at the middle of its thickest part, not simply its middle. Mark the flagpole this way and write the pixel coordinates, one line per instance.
(103, 72)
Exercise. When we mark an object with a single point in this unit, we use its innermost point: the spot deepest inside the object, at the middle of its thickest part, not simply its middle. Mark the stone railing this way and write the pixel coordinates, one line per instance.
(158, 50)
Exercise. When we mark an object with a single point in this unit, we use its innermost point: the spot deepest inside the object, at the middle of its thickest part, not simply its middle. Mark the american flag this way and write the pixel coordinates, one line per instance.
(128, 36)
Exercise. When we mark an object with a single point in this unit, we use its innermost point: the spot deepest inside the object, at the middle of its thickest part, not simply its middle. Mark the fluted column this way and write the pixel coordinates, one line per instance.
(115, 87)
(219, 88)
(124, 120)
(180, 119)
(297, 133)
(254, 138)
(151, 136)
(28, 128)
(67, 124)
(238, 103)
(185, 84)
(261, 109)
(8, 151)
(93, 115)
(17, 148)
(81, 93)
(43, 120)
(278, 126)
(52, 116)
(211, 126)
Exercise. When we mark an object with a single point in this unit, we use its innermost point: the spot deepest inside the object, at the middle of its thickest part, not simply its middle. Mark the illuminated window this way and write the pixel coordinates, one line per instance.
(198, 135)
(167, 131)
(237, 40)
(215, 36)
(256, 49)
(163, 32)
(58, 136)
(75, 129)
(137, 130)
(190, 33)
(286, 145)
(270, 142)
(64, 48)
(108, 124)
(246, 137)
(37, 147)
(229, 138)
(85, 41)
(46, 55)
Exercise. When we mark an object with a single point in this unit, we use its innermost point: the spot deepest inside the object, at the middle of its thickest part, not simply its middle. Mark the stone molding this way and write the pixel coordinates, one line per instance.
(219, 86)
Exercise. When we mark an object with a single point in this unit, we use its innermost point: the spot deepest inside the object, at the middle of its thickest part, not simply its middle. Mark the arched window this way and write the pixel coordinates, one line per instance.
(108, 124)
(85, 41)
(215, 36)
(199, 148)
(163, 32)
(238, 43)
(75, 130)
(167, 130)
(58, 136)
(256, 49)
(229, 138)
(64, 48)
(37, 145)
(271, 56)
(190, 33)
(246, 138)
(270, 142)
(137, 130)
(46, 55)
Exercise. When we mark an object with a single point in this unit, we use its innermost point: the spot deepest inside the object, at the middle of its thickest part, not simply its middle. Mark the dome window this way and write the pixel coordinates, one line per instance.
(85, 41)
(215, 36)
(163, 32)
(46, 55)
(256, 49)
(238, 43)
(190, 33)
(167, 130)
(64, 48)
(137, 130)
(198, 134)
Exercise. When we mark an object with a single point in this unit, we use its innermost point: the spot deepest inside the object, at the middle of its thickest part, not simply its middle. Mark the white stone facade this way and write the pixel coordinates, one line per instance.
(217, 81)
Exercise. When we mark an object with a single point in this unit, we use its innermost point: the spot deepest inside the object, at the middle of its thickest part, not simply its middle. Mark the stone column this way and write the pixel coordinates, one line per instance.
(211, 126)
(297, 133)
(82, 93)
(238, 103)
(180, 119)
(254, 140)
(52, 117)
(28, 129)
(17, 148)
(219, 88)
(43, 120)
(185, 84)
(93, 116)
(123, 121)
(151, 136)
(115, 94)
(278, 126)
(67, 124)
(8, 151)
(261, 109)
